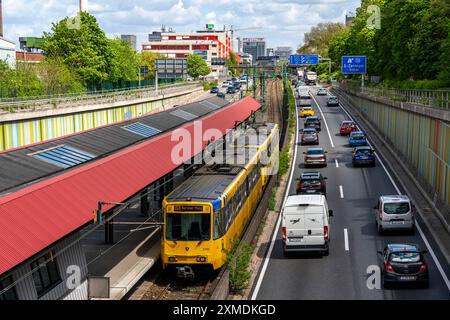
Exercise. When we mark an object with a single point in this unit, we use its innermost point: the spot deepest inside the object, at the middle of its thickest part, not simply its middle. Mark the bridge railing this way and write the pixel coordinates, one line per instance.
(11, 105)
(429, 98)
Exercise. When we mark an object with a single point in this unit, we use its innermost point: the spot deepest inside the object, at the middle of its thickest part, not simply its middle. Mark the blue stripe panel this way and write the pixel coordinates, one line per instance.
(142, 129)
(64, 156)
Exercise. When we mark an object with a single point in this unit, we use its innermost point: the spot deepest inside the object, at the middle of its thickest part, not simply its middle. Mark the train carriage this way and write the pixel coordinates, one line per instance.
(207, 213)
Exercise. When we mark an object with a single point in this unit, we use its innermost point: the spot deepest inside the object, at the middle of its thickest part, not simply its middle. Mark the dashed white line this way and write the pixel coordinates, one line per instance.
(341, 191)
(324, 120)
(337, 163)
(346, 240)
(425, 240)
(274, 236)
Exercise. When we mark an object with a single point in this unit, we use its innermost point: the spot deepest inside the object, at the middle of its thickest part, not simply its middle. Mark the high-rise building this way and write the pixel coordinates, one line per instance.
(131, 39)
(283, 53)
(255, 46)
(349, 18)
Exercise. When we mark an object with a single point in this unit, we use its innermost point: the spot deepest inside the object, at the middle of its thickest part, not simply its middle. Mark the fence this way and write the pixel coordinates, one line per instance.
(422, 141)
(430, 98)
(102, 97)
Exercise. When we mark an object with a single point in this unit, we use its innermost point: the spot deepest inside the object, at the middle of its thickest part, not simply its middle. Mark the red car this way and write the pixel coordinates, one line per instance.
(347, 127)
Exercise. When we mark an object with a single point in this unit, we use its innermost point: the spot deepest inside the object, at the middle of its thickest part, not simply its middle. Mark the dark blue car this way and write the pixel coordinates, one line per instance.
(357, 138)
(363, 156)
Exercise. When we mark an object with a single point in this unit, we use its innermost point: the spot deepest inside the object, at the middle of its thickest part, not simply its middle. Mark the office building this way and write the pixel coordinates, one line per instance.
(254, 46)
(131, 39)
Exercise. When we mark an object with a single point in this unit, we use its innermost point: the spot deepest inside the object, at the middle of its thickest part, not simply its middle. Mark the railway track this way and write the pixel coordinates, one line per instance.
(274, 101)
(160, 285)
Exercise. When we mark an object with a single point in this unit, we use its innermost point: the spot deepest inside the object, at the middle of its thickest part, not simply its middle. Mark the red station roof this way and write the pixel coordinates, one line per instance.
(37, 216)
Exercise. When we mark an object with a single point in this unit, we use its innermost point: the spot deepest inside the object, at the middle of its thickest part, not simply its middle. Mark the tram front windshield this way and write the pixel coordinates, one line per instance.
(188, 227)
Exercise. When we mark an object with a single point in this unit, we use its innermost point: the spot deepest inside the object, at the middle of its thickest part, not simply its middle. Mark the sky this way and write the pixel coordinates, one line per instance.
(280, 22)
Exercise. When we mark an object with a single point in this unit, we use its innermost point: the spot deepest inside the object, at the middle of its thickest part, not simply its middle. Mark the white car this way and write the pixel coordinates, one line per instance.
(305, 224)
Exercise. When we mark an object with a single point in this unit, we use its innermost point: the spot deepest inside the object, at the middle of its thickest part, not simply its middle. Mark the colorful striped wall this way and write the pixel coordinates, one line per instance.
(423, 140)
(20, 133)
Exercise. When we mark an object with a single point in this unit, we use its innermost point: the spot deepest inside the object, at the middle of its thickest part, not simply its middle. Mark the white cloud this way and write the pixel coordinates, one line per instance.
(281, 22)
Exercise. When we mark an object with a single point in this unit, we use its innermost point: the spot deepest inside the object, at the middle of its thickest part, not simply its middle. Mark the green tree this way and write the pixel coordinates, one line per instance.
(57, 78)
(124, 61)
(233, 61)
(339, 46)
(411, 43)
(147, 59)
(25, 81)
(197, 67)
(86, 49)
(318, 38)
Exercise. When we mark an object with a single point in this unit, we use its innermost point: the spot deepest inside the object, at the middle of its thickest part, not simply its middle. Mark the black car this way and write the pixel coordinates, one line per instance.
(214, 90)
(364, 155)
(309, 136)
(237, 85)
(221, 95)
(313, 122)
(404, 263)
(312, 183)
(231, 90)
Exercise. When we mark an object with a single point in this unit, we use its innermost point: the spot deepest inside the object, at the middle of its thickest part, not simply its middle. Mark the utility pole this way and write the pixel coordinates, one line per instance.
(362, 83)
(254, 82)
(1, 19)
(139, 70)
(156, 82)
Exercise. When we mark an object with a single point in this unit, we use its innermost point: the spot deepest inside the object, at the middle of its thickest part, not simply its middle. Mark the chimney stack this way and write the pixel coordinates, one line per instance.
(1, 19)
(83, 5)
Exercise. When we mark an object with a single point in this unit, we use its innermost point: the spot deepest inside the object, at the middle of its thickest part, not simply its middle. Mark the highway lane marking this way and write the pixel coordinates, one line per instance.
(324, 120)
(422, 235)
(274, 236)
(341, 191)
(433, 255)
(337, 163)
(346, 240)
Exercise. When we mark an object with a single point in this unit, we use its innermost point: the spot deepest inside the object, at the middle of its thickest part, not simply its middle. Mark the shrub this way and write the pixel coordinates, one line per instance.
(239, 263)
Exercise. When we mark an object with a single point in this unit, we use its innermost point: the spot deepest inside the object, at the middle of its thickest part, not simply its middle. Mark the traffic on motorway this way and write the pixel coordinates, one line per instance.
(347, 229)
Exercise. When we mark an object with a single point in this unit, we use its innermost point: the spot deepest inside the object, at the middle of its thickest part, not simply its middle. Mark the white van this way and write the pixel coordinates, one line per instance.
(305, 224)
(394, 213)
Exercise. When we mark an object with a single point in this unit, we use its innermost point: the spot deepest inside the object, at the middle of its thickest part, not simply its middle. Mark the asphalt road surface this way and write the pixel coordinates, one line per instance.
(351, 194)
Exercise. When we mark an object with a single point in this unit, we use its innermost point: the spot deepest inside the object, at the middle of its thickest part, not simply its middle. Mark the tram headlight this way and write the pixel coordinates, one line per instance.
(172, 259)
(201, 259)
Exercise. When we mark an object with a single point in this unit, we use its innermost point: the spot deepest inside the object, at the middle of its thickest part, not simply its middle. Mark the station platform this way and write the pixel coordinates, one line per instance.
(134, 252)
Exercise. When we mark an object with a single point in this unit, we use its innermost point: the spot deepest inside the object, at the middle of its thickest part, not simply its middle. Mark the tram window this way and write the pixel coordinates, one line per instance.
(219, 223)
(188, 227)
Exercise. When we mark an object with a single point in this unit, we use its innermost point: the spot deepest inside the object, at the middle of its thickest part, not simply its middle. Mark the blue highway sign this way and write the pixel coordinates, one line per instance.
(353, 64)
(303, 59)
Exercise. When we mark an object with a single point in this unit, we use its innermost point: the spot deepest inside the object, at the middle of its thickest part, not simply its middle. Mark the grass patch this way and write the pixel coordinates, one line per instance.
(238, 262)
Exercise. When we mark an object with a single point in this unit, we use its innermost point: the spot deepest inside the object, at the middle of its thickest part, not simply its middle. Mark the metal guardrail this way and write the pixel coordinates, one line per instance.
(60, 101)
(429, 98)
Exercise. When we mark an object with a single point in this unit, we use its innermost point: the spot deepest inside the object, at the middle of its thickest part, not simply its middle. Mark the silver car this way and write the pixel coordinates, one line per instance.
(394, 213)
